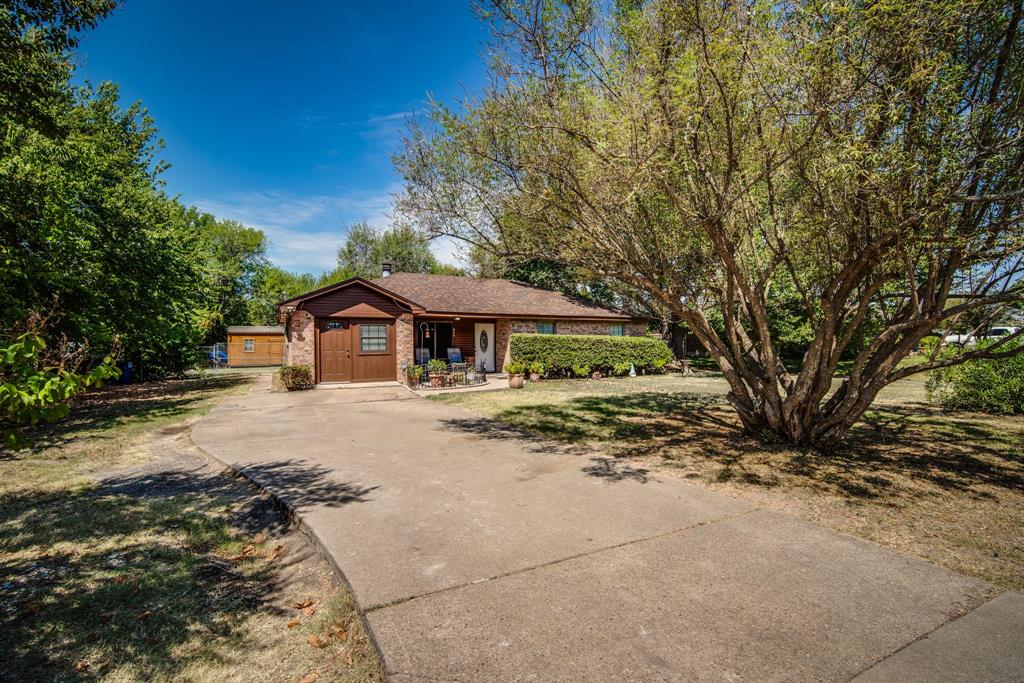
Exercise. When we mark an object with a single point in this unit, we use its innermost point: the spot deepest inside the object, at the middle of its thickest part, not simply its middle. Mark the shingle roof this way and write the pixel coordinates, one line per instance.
(255, 329)
(484, 296)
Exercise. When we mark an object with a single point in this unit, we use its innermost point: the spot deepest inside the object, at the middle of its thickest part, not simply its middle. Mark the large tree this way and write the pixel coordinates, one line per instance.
(366, 249)
(235, 266)
(867, 156)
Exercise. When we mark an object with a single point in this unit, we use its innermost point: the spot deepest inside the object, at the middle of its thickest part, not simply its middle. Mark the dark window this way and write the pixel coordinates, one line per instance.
(250, 345)
(373, 338)
(617, 330)
(545, 328)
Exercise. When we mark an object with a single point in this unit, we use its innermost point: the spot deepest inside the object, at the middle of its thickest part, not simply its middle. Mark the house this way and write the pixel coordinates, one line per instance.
(369, 330)
(255, 345)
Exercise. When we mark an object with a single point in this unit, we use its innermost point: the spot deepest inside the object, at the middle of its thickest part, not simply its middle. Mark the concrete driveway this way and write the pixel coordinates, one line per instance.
(481, 554)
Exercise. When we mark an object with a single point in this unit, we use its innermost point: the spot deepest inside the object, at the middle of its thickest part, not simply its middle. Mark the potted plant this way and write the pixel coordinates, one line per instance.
(536, 370)
(438, 371)
(415, 374)
(515, 375)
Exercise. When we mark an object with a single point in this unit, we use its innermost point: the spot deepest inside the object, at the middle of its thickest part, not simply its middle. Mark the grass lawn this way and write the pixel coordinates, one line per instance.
(948, 487)
(125, 556)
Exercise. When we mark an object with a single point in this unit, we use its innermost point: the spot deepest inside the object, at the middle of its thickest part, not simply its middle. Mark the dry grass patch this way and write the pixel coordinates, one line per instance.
(944, 486)
(168, 570)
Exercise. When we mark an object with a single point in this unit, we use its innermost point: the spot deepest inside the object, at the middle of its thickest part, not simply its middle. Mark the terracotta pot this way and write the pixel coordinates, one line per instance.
(534, 376)
(437, 381)
(516, 382)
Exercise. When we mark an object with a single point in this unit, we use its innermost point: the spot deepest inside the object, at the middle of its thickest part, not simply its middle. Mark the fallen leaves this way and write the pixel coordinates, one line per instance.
(294, 622)
(310, 677)
(276, 552)
(317, 641)
(303, 604)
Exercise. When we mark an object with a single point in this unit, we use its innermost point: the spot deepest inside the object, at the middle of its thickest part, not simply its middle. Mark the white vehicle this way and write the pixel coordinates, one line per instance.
(997, 332)
(959, 340)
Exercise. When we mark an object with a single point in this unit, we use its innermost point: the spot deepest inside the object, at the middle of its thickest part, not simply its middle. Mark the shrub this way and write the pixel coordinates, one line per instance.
(516, 367)
(621, 369)
(536, 368)
(581, 371)
(984, 386)
(562, 355)
(296, 377)
(436, 365)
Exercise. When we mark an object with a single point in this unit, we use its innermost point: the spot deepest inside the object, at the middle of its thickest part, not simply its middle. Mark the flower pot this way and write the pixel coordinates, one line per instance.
(534, 376)
(516, 382)
(437, 381)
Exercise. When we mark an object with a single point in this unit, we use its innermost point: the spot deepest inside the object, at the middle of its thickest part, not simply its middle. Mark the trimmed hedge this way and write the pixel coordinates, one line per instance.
(569, 354)
(297, 377)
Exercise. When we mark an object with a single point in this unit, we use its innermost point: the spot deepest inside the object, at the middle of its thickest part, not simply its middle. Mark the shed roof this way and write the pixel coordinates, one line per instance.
(256, 329)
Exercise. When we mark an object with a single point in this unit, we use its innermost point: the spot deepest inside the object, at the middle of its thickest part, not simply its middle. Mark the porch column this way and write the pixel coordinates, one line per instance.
(405, 341)
(502, 334)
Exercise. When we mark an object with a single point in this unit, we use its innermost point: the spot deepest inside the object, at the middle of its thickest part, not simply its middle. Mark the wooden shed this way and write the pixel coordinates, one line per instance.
(250, 345)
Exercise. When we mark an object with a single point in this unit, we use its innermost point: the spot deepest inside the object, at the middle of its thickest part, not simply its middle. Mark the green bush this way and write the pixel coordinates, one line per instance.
(436, 366)
(297, 377)
(581, 371)
(516, 367)
(563, 354)
(621, 369)
(984, 386)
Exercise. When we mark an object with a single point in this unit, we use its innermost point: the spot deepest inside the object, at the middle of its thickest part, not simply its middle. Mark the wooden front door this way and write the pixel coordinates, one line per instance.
(335, 343)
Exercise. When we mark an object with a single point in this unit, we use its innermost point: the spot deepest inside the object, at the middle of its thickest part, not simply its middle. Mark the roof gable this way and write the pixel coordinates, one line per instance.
(301, 300)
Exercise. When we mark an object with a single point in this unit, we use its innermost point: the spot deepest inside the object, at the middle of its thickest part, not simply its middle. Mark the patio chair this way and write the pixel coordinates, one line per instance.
(454, 355)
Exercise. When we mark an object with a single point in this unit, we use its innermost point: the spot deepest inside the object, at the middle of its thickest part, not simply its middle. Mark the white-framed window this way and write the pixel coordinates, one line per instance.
(617, 330)
(250, 345)
(545, 328)
(373, 338)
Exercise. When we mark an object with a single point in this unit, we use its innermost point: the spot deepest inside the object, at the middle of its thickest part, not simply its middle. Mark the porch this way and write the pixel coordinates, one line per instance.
(450, 351)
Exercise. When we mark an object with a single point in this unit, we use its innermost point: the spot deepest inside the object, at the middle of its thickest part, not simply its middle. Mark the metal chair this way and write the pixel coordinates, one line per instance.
(457, 373)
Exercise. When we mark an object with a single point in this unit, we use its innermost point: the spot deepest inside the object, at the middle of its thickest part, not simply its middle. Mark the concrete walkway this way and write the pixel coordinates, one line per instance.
(480, 554)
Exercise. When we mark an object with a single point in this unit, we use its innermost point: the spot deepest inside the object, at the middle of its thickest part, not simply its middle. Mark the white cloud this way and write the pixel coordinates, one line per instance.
(304, 231)
(386, 127)
(449, 250)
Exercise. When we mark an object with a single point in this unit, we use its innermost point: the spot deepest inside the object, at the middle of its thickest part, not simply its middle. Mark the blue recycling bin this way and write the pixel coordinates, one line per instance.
(127, 370)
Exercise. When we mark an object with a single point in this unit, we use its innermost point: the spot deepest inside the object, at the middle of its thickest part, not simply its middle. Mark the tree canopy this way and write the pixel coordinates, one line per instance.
(366, 249)
(864, 158)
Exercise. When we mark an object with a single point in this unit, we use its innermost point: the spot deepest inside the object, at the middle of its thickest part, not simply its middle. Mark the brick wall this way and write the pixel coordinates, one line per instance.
(506, 328)
(299, 344)
(404, 342)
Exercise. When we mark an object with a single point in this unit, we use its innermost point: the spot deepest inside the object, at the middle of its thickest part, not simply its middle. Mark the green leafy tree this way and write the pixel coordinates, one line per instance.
(36, 386)
(235, 267)
(276, 286)
(703, 152)
(36, 40)
(365, 250)
(88, 230)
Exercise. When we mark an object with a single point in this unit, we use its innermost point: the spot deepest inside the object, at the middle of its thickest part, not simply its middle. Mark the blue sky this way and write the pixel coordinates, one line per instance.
(283, 115)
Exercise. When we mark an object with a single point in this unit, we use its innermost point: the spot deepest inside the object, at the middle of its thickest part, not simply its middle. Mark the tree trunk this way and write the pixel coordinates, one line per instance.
(678, 334)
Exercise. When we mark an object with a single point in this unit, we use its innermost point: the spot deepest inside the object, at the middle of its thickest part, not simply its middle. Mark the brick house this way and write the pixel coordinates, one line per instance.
(369, 330)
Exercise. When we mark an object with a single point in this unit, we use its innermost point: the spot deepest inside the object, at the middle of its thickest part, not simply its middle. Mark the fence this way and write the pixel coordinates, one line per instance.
(214, 356)
(455, 375)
